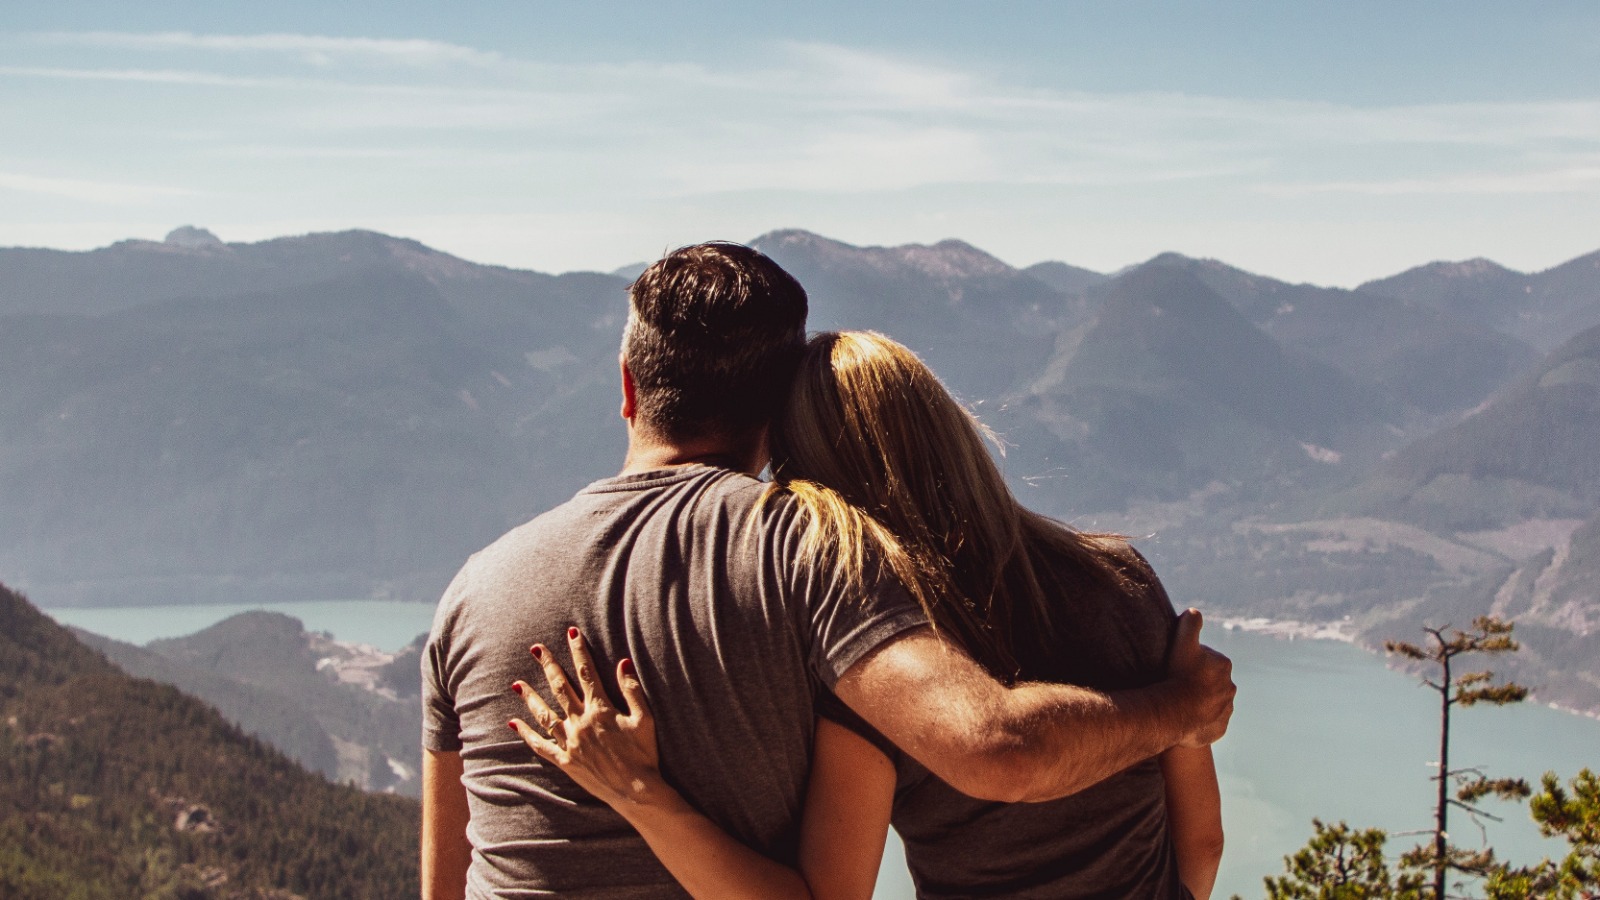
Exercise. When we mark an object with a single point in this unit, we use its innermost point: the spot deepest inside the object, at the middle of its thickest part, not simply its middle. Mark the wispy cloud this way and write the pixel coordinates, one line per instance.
(313, 48)
(154, 76)
(89, 191)
(809, 84)
(1557, 181)
(796, 120)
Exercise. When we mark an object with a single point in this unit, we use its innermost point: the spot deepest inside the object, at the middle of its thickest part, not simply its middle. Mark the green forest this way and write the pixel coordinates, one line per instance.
(117, 787)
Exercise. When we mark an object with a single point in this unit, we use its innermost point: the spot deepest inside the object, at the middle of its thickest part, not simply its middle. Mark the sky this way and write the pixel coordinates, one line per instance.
(1318, 142)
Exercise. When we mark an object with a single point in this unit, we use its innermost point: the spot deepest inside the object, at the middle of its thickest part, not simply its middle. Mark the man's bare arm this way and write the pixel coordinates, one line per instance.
(1033, 741)
(446, 853)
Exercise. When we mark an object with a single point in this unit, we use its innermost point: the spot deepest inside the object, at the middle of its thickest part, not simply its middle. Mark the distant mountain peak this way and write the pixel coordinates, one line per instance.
(192, 238)
(1197, 264)
(630, 271)
(1170, 257)
(1065, 277)
(373, 246)
(948, 259)
(952, 259)
(1471, 268)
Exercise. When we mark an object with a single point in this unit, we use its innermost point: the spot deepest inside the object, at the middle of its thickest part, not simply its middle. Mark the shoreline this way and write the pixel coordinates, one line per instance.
(1290, 629)
(1570, 710)
(1345, 632)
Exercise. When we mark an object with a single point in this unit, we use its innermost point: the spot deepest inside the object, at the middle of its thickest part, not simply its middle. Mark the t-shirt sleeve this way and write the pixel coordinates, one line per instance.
(846, 622)
(441, 724)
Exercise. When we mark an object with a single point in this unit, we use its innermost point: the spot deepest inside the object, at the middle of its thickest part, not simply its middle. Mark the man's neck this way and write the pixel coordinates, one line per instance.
(646, 453)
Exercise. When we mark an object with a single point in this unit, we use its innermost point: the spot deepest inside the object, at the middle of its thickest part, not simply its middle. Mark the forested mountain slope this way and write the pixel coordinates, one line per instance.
(343, 437)
(116, 787)
(347, 711)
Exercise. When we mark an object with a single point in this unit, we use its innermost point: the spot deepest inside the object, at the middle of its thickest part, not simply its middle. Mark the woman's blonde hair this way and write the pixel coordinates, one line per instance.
(893, 471)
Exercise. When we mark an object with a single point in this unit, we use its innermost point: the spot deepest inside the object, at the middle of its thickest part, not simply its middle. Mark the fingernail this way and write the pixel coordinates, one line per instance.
(627, 668)
(537, 651)
(512, 725)
(572, 634)
(516, 687)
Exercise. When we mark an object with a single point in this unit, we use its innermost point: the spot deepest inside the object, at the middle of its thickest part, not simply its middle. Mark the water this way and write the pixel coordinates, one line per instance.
(1321, 729)
(385, 624)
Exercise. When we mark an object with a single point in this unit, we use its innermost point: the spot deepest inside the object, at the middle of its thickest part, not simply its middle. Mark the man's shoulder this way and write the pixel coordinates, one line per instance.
(686, 495)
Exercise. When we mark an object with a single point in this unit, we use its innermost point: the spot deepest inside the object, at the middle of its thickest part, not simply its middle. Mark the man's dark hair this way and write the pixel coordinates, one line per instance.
(712, 340)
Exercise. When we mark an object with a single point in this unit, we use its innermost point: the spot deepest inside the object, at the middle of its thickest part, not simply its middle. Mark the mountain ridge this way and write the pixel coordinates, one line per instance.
(360, 417)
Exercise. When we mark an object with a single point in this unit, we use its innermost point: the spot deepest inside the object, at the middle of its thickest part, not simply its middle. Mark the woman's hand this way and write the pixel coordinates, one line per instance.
(613, 755)
(610, 753)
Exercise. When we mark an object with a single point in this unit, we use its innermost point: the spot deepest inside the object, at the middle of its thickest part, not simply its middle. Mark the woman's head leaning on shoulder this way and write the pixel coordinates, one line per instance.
(894, 471)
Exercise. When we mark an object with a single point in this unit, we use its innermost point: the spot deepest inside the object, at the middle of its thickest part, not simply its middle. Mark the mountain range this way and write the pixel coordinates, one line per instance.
(351, 414)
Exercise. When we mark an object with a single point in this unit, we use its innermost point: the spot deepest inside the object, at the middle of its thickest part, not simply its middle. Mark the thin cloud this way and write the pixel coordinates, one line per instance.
(194, 78)
(1574, 180)
(812, 117)
(89, 191)
(807, 82)
(154, 76)
(314, 48)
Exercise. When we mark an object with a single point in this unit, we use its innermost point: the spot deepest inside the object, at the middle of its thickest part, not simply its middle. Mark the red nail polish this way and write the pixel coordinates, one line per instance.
(537, 651)
(512, 726)
(516, 687)
(572, 634)
(627, 668)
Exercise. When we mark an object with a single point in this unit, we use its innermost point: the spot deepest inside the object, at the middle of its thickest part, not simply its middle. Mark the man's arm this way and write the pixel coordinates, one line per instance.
(1033, 741)
(446, 854)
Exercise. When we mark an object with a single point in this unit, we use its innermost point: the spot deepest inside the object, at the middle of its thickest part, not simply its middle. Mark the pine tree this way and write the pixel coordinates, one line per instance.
(1571, 812)
(1489, 635)
(1342, 864)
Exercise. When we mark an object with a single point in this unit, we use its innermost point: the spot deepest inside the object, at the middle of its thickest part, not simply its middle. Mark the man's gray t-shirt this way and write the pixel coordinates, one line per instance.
(684, 571)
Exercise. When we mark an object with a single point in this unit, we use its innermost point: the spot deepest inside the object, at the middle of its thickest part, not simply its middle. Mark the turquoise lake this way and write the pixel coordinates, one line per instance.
(1321, 729)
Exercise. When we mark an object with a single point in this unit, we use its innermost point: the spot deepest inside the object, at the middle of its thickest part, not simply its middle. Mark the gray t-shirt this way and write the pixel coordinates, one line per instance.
(1107, 842)
(684, 572)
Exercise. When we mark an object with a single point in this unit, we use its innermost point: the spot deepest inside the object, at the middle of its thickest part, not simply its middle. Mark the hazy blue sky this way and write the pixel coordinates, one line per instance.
(1320, 142)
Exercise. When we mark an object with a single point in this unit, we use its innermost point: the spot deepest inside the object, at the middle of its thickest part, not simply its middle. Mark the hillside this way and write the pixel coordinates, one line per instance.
(193, 263)
(983, 325)
(1543, 309)
(343, 437)
(1438, 358)
(1166, 389)
(266, 714)
(340, 709)
(1066, 278)
(1495, 513)
(114, 787)
(1530, 453)
(1554, 597)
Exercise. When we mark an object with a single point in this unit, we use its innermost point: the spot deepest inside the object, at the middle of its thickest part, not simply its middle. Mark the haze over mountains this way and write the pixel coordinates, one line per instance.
(349, 415)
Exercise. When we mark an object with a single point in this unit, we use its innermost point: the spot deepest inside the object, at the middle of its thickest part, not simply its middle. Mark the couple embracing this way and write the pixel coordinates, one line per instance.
(741, 683)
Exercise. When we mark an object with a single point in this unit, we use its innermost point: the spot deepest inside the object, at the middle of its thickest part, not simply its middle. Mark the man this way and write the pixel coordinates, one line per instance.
(682, 565)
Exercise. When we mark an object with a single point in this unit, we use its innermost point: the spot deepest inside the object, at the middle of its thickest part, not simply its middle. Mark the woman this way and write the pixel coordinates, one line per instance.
(891, 468)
